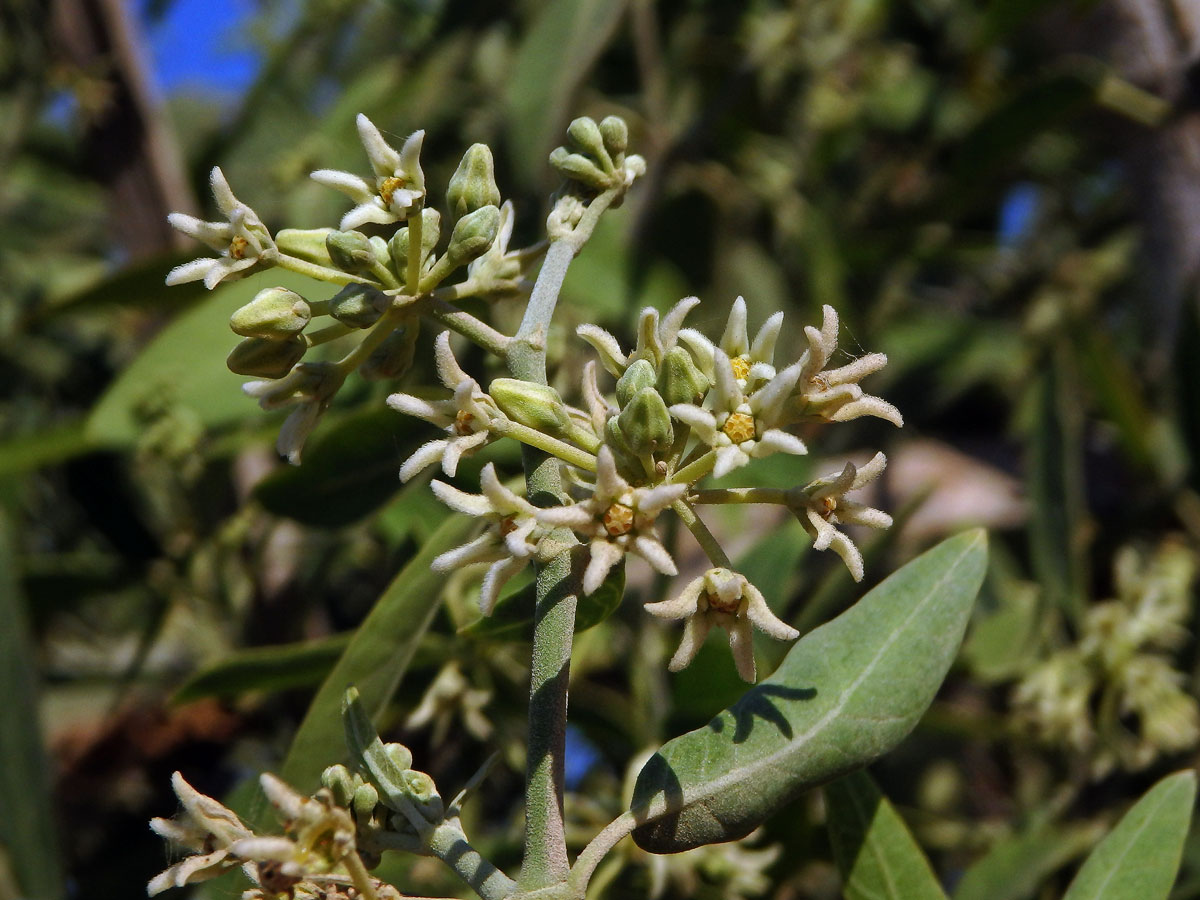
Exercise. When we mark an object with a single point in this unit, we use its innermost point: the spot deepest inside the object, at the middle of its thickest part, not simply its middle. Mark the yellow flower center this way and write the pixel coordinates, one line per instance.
(237, 247)
(739, 427)
(390, 186)
(618, 520)
(462, 422)
(730, 606)
(741, 367)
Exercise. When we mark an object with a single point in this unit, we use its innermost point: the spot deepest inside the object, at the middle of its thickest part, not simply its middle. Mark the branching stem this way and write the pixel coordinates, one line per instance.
(703, 536)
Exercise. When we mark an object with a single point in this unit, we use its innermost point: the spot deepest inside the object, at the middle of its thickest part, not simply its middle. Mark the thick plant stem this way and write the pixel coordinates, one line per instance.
(449, 845)
(546, 861)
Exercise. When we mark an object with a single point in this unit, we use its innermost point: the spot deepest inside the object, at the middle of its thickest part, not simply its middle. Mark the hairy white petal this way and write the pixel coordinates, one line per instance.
(421, 409)
(384, 159)
(869, 406)
(763, 348)
(196, 270)
(699, 420)
(729, 457)
(653, 552)
(777, 441)
(734, 341)
(461, 501)
(482, 549)
(494, 580)
(741, 643)
(426, 455)
(604, 556)
(694, 633)
(686, 604)
(351, 185)
(758, 612)
(655, 499)
(607, 346)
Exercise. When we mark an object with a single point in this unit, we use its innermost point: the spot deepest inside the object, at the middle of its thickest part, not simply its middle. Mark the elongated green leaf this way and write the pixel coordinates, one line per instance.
(875, 852)
(1139, 858)
(847, 693)
(1016, 866)
(558, 51)
(42, 448)
(185, 367)
(27, 833)
(265, 669)
(376, 659)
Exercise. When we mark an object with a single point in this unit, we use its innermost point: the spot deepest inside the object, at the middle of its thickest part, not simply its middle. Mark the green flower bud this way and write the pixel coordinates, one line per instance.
(394, 356)
(536, 405)
(341, 783)
(351, 251)
(615, 133)
(358, 305)
(431, 232)
(639, 375)
(423, 790)
(364, 801)
(306, 243)
(473, 234)
(266, 358)
(399, 754)
(584, 134)
(679, 380)
(645, 423)
(273, 313)
(473, 184)
(577, 167)
(627, 463)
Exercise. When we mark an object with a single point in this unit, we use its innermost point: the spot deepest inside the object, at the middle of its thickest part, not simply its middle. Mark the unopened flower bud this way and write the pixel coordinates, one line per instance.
(585, 136)
(680, 380)
(394, 356)
(536, 405)
(341, 783)
(358, 305)
(431, 232)
(472, 236)
(363, 801)
(639, 375)
(305, 243)
(473, 184)
(265, 358)
(577, 167)
(399, 754)
(351, 251)
(273, 313)
(645, 422)
(615, 133)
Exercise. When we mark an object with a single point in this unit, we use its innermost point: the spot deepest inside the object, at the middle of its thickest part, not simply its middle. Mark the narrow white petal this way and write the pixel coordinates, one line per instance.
(699, 420)
(655, 499)
(823, 531)
(264, 849)
(609, 483)
(741, 644)
(577, 515)
(858, 514)
(449, 371)
(694, 633)
(776, 441)
(461, 501)
(668, 331)
(458, 447)
(419, 408)
(410, 161)
(763, 348)
(348, 183)
(870, 471)
(604, 555)
(728, 395)
(196, 270)
(767, 402)
(734, 341)
(653, 552)
(679, 607)
(370, 212)
(856, 370)
(761, 616)
(221, 191)
(494, 580)
(296, 428)
(869, 406)
(482, 549)
(425, 456)
(607, 346)
(845, 548)
(729, 458)
(702, 349)
(384, 159)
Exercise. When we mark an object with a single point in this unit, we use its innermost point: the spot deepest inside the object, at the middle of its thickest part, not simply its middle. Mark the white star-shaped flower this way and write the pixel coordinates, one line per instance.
(617, 519)
(204, 827)
(398, 184)
(740, 427)
(822, 504)
(656, 337)
(509, 542)
(309, 387)
(467, 416)
(725, 598)
(834, 394)
(753, 362)
(242, 239)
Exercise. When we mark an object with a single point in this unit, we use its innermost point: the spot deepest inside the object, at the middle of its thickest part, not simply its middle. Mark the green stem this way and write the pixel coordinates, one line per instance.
(534, 438)
(695, 470)
(416, 225)
(739, 495)
(703, 536)
(546, 860)
(360, 876)
(319, 272)
(327, 334)
(467, 325)
(376, 336)
(450, 845)
(594, 852)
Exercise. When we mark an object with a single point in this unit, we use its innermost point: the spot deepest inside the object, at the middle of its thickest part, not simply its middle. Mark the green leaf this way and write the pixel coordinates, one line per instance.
(184, 367)
(42, 448)
(1017, 865)
(846, 694)
(513, 616)
(350, 471)
(555, 57)
(875, 852)
(375, 660)
(1139, 858)
(265, 669)
(28, 840)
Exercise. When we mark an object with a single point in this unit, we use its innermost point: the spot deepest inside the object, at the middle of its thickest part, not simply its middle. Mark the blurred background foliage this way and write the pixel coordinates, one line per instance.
(1000, 195)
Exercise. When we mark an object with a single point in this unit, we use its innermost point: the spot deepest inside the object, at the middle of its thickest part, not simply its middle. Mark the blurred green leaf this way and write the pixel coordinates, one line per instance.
(184, 367)
(845, 694)
(265, 669)
(1139, 858)
(1015, 867)
(555, 56)
(375, 660)
(28, 837)
(513, 616)
(875, 852)
(43, 448)
(349, 471)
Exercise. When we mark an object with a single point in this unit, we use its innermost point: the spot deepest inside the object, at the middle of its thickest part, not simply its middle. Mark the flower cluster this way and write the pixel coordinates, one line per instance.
(1084, 696)
(683, 408)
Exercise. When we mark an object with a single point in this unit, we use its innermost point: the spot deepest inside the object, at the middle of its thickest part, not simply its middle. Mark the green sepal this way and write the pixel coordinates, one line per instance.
(645, 423)
(473, 234)
(679, 379)
(265, 358)
(640, 374)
